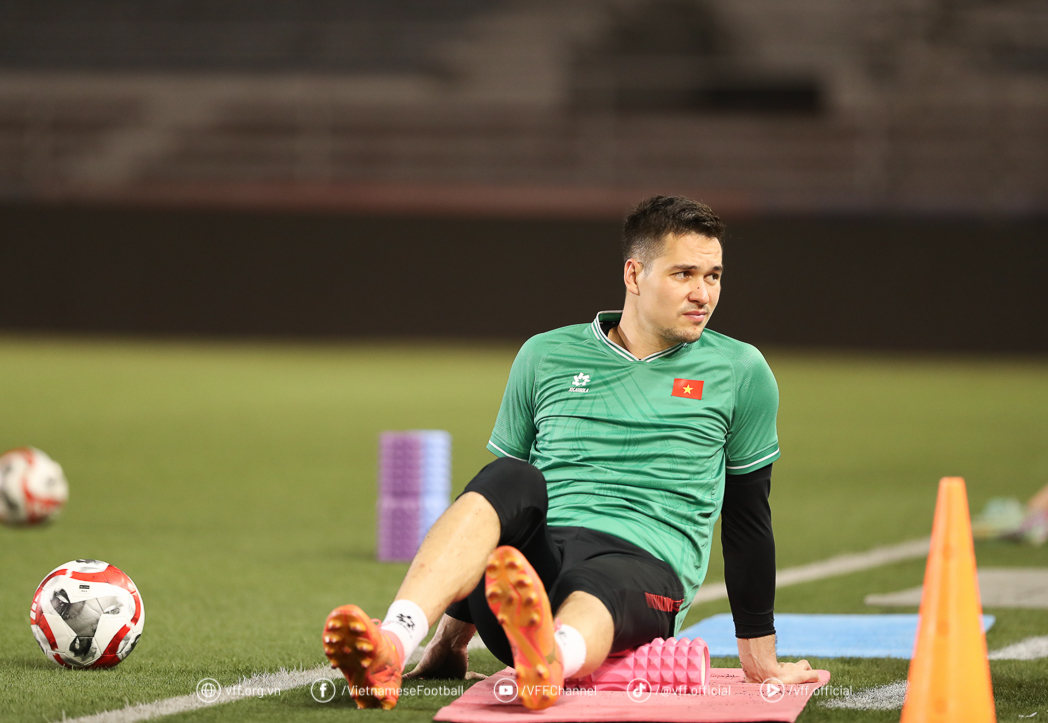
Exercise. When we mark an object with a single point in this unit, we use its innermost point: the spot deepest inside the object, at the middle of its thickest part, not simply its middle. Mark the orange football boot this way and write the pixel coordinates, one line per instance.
(518, 598)
(371, 659)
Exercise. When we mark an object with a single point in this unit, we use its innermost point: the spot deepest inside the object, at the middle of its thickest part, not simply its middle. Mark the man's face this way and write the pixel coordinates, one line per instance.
(676, 292)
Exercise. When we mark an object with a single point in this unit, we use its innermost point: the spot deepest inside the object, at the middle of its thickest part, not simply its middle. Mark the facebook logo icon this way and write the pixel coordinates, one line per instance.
(322, 690)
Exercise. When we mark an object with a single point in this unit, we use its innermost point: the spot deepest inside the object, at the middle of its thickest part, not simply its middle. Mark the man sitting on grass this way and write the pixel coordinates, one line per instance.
(620, 442)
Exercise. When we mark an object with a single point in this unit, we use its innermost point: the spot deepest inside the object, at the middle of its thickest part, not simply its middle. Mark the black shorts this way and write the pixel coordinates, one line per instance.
(642, 593)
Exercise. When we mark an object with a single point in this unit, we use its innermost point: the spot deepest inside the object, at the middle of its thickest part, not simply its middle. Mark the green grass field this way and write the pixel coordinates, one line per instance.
(235, 483)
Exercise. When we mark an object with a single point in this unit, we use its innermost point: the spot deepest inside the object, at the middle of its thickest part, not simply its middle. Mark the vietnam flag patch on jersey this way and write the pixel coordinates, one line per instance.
(687, 388)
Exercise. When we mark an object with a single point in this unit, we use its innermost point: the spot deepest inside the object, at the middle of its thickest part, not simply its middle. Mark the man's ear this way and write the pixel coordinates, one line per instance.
(632, 270)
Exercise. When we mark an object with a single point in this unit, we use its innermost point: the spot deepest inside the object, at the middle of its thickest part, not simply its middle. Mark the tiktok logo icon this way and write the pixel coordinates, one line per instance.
(639, 690)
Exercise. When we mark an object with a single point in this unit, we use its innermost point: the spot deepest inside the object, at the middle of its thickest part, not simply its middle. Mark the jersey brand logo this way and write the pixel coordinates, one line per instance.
(687, 388)
(579, 383)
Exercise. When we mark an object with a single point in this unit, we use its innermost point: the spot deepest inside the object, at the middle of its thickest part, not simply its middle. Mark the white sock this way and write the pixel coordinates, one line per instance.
(406, 620)
(572, 649)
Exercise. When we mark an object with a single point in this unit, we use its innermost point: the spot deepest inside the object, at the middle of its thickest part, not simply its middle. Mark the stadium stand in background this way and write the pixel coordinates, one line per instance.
(813, 106)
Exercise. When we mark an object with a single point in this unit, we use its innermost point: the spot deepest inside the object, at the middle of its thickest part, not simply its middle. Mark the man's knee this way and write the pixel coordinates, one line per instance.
(618, 583)
(518, 469)
(507, 476)
(585, 606)
(517, 492)
(526, 476)
(577, 587)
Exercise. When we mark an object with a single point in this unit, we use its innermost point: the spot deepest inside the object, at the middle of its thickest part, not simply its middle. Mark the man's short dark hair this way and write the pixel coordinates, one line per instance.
(657, 217)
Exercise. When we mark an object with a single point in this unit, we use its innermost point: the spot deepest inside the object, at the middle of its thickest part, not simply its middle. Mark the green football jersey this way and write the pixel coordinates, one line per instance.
(639, 448)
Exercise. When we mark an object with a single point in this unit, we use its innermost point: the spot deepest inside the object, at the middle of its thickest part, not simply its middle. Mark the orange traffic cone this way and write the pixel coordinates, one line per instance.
(950, 673)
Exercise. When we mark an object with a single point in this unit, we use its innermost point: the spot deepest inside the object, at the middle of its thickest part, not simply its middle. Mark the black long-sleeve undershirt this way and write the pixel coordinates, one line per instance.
(749, 552)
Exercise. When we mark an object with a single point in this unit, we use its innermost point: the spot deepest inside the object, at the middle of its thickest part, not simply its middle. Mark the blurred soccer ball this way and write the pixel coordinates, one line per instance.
(87, 614)
(32, 487)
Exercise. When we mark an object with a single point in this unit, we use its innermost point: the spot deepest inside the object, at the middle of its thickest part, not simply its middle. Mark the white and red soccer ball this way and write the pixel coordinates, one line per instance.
(87, 614)
(32, 487)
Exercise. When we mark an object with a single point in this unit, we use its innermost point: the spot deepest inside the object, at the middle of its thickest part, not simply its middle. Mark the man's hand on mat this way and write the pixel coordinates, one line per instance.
(759, 663)
(799, 672)
(445, 664)
(446, 657)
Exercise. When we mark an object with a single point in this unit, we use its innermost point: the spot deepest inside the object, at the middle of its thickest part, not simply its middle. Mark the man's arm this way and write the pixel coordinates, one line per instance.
(749, 575)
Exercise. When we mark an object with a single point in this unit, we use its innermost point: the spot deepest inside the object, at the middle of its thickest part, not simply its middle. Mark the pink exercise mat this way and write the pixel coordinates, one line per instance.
(728, 699)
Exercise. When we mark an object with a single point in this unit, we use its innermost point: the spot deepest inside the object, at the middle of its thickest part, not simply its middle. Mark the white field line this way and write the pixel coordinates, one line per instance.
(893, 695)
(832, 567)
(1029, 649)
(258, 685)
(883, 697)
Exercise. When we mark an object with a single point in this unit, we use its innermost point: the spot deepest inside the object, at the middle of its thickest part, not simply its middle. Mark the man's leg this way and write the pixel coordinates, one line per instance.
(450, 562)
(587, 615)
(611, 596)
(505, 504)
(451, 559)
(518, 495)
(507, 499)
(608, 594)
(516, 596)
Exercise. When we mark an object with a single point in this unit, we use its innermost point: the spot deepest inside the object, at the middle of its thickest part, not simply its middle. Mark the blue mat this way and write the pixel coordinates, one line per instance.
(822, 636)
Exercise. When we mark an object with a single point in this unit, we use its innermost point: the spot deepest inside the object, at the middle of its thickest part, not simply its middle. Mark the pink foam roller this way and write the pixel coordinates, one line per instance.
(680, 666)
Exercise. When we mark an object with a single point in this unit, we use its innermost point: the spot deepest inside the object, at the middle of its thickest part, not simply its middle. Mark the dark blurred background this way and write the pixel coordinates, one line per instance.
(406, 168)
